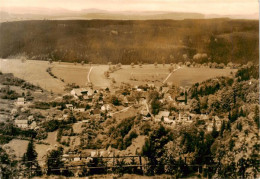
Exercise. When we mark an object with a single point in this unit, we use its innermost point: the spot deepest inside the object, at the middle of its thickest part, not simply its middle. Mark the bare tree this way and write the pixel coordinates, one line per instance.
(140, 64)
(23, 59)
(171, 69)
(113, 80)
(106, 73)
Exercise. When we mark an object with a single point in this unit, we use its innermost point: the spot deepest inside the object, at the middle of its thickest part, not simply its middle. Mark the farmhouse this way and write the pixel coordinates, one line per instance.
(20, 101)
(21, 123)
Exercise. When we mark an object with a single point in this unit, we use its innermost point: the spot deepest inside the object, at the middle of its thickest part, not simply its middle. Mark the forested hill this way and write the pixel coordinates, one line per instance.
(101, 41)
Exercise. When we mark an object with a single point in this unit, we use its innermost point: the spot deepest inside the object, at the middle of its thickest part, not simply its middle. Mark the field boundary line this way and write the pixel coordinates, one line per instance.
(89, 74)
(171, 74)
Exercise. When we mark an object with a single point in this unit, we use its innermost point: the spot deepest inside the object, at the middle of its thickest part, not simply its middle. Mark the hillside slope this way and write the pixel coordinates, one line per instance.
(100, 41)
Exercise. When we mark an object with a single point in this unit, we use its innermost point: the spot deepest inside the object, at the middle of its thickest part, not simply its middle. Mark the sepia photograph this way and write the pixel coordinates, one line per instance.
(129, 89)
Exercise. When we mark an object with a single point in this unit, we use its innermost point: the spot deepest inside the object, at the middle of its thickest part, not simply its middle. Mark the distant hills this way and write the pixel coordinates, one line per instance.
(17, 14)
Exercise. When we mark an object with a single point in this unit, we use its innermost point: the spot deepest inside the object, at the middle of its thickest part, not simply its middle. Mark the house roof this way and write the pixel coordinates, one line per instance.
(164, 113)
(21, 121)
(69, 105)
(20, 99)
(181, 98)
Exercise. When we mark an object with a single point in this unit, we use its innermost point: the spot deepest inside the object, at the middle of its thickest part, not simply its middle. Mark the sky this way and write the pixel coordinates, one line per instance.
(222, 7)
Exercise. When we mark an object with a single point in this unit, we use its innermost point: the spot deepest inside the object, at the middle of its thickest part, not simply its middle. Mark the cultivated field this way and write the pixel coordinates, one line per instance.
(188, 76)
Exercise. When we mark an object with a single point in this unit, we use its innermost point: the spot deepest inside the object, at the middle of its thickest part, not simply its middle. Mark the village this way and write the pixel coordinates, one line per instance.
(90, 104)
(110, 124)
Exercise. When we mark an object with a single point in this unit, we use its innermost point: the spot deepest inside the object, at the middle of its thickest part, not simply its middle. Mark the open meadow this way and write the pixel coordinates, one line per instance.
(71, 73)
(187, 76)
(34, 72)
(141, 75)
(182, 76)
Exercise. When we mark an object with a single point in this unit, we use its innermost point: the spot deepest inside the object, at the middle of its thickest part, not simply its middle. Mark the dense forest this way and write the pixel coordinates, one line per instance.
(102, 41)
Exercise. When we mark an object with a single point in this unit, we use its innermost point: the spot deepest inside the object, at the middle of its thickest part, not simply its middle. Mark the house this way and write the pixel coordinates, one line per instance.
(105, 107)
(38, 91)
(79, 109)
(85, 121)
(146, 115)
(20, 101)
(180, 99)
(125, 101)
(162, 115)
(184, 117)
(151, 85)
(168, 97)
(69, 106)
(169, 121)
(33, 125)
(21, 123)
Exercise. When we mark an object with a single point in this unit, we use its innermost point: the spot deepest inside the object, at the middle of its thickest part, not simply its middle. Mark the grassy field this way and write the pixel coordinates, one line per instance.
(139, 76)
(71, 73)
(97, 76)
(19, 147)
(188, 76)
(33, 72)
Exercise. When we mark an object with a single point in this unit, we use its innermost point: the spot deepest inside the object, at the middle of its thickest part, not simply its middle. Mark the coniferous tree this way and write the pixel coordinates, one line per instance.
(54, 161)
(30, 160)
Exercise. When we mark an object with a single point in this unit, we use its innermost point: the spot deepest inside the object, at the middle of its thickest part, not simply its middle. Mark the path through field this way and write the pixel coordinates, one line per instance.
(89, 74)
(170, 74)
(97, 76)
